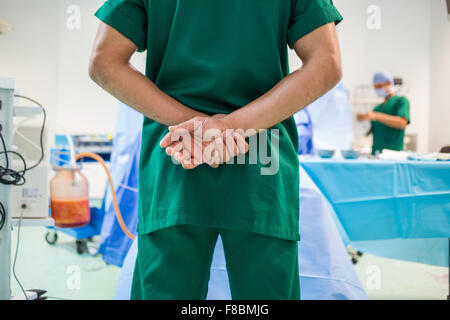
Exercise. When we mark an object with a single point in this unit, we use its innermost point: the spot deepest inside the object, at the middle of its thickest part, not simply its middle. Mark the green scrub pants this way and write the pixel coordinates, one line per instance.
(174, 264)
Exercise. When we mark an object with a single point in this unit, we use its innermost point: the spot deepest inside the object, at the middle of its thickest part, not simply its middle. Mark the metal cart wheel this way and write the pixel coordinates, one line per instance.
(51, 237)
(81, 246)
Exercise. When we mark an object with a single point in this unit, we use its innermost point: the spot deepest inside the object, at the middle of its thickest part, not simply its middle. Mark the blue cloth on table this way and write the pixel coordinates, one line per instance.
(428, 251)
(114, 243)
(325, 268)
(403, 204)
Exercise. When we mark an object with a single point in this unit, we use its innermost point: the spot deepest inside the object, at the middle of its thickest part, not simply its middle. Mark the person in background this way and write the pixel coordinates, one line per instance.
(388, 119)
(305, 132)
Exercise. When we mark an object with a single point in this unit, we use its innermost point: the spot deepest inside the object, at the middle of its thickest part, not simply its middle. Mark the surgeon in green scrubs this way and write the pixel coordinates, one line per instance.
(390, 118)
(223, 64)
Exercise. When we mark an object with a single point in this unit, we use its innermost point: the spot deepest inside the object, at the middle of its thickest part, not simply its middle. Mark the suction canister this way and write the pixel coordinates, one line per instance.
(69, 197)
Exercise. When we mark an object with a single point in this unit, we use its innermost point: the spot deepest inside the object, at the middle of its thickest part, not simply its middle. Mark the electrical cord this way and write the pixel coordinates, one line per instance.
(10, 176)
(15, 256)
(41, 137)
(2, 215)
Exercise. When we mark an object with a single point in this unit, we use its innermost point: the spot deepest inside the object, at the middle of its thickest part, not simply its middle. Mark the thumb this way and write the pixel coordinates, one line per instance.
(189, 125)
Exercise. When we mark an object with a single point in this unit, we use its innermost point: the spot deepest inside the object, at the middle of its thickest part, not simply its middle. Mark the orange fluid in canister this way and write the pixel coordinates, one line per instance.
(70, 213)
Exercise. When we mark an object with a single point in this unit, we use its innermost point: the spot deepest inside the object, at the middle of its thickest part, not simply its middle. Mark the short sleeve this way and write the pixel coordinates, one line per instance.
(402, 108)
(308, 15)
(129, 17)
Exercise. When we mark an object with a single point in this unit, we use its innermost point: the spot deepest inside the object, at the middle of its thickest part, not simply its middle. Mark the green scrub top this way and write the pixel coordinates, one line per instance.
(385, 137)
(216, 56)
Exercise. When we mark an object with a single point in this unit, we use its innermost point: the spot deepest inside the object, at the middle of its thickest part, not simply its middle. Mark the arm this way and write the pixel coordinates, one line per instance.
(395, 122)
(321, 71)
(110, 68)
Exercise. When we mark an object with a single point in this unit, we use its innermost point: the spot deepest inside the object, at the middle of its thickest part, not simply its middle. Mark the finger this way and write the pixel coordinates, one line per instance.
(214, 162)
(169, 149)
(166, 141)
(187, 146)
(227, 155)
(178, 157)
(188, 164)
(184, 155)
(197, 151)
(208, 152)
(180, 134)
(175, 147)
(230, 143)
(192, 164)
(241, 143)
(221, 149)
(189, 125)
(214, 165)
(184, 125)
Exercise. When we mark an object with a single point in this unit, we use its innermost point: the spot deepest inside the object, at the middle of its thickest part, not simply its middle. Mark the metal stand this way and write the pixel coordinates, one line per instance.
(6, 115)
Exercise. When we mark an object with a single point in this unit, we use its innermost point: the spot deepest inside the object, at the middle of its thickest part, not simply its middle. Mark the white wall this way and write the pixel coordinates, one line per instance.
(401, 46)
(29, 52)
(82, 106)
(440, 77)
(49, 61)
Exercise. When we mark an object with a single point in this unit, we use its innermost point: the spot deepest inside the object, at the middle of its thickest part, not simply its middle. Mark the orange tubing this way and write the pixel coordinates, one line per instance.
(113, 191)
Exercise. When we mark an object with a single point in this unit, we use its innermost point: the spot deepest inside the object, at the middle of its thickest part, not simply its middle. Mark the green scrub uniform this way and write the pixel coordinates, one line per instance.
(174, 263)
(216, 56)
(385, 137)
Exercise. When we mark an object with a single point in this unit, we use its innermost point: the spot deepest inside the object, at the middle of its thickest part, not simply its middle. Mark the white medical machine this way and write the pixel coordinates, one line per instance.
(26, 201)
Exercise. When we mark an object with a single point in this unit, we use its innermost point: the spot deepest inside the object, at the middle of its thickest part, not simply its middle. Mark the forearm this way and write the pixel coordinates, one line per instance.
(391, 121)
(137, 91)
(290, 95)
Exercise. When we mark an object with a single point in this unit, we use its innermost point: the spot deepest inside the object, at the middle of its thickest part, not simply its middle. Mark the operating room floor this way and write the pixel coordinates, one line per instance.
(67, 275)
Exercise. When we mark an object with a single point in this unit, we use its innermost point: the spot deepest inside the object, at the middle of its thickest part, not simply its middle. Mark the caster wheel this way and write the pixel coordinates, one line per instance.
(359, 253)
(92, 251)
(354, 260)
(51, 237)
(81, 246)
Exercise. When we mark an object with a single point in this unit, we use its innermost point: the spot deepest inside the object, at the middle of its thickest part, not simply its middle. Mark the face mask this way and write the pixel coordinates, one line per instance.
(382, 93)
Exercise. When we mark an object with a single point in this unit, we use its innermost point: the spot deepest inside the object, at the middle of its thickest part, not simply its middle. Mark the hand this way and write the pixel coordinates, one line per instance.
(371, 116)
(203, 140)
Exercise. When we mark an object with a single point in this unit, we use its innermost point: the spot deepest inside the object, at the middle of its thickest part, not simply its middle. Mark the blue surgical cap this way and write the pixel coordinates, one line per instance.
(382, 77)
